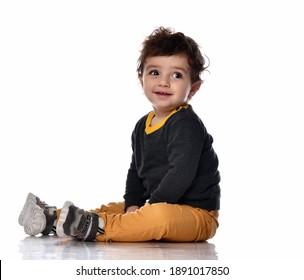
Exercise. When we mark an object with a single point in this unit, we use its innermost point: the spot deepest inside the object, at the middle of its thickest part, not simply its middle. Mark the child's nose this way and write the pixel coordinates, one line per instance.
(164, 81)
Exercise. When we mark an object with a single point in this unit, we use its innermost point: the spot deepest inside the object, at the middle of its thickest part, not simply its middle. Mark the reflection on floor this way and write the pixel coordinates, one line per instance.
(54, 248)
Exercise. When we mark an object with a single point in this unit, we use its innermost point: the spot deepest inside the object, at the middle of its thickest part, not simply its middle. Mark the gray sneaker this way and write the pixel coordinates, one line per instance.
(76, 222)
(37, 217)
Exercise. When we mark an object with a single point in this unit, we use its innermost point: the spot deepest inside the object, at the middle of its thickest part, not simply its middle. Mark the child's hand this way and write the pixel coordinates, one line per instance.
(132, 208)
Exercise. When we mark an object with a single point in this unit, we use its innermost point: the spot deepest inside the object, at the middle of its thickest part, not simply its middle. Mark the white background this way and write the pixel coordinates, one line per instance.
(70, 99)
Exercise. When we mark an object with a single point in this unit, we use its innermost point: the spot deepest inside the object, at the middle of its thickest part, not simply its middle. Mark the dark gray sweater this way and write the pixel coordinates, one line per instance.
(174, 164)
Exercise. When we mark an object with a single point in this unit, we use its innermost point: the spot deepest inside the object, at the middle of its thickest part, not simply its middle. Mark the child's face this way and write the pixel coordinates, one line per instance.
(167, 83)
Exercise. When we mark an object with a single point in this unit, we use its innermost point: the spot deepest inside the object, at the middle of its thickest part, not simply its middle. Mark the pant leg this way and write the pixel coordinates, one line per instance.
(160, 221)
(111, 208)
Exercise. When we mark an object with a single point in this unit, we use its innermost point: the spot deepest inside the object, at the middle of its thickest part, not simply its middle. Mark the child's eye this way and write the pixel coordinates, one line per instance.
(177, 75)
(153, 73)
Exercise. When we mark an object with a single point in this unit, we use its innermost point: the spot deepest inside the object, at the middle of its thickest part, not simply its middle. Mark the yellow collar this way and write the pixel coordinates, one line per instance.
(150, 129)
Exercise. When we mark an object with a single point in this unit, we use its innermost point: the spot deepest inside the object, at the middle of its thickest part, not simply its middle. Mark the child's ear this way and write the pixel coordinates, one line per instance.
(194, 88)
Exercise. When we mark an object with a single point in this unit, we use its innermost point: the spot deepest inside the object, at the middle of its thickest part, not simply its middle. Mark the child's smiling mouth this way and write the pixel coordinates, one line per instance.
(162, 93)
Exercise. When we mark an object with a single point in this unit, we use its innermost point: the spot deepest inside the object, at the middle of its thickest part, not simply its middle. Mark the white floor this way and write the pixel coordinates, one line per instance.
(54, 248)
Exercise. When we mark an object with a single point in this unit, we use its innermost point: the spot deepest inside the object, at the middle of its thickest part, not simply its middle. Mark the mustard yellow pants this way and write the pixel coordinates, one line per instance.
(159, 221)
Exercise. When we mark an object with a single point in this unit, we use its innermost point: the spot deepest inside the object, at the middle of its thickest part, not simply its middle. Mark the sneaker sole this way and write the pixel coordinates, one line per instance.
(30, 197)
(62, 218)
(32, 217)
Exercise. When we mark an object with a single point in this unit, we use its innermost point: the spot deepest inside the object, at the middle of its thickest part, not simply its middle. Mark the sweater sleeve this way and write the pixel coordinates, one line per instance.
(134, 193)
(185, 143)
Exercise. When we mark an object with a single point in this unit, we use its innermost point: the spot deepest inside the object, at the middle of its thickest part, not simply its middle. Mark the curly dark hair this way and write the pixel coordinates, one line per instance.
(166, 42)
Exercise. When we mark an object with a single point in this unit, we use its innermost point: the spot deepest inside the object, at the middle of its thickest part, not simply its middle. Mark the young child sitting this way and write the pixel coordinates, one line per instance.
(172, 189)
